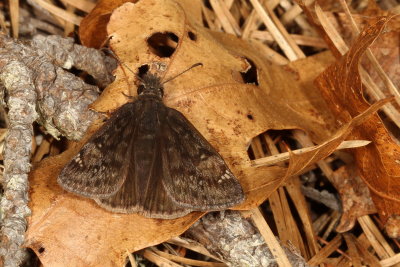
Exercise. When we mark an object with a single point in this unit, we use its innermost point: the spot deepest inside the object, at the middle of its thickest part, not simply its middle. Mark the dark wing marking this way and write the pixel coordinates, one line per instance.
(195, 175)
(101, 166)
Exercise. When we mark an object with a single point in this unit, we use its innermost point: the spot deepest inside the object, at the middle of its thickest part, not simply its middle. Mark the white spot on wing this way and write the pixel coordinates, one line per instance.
(78, 160)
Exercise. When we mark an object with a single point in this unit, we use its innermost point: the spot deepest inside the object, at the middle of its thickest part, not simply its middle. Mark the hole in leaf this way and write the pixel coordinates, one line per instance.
(276, 139)
(192, 36)
(143, 70)
(41, 250)
(251, 75)
(163, 44)
(250, 117)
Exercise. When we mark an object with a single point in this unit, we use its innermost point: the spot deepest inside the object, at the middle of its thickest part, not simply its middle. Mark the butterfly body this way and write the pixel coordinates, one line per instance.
(148, 158)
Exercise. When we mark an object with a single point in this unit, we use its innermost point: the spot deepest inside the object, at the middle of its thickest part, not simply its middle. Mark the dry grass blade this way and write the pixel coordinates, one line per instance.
(60, 13)
(298, 39)
(269, 237)
(331, 31)
(273, 29)
(326, 251)
(184, 260)
(394, 260)
(294, 190)
(352, 250)
(283, 31)
(282, 214)
(376, 93)
(250, 23)
(368, 258)
(274, 159)
(14, 14)
(194, 246)
(158, 260)
(69, 27)
(83, 5)
(131, 259)
(227, 21)
(375, 237)
(287, 228)
(291, 14)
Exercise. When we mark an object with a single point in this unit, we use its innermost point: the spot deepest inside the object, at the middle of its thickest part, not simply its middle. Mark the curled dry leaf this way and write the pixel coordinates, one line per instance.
(386, 51)
(92, 30)
(221, 101)
(378, 162)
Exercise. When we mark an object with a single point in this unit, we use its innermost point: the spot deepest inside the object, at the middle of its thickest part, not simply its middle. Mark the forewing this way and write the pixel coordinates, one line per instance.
(101, 166)
(195, 175)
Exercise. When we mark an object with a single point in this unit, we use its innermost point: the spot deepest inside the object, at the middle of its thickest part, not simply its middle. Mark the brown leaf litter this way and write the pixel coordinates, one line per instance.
(224, 104)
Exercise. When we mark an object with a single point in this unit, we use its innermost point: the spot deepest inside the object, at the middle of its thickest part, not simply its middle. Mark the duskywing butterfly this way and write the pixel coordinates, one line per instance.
(148, 158)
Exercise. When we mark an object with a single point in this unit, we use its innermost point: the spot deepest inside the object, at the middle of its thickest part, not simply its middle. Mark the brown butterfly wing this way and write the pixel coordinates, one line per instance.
(101, 166)
(150, 159)
(143, 190)
(151, 201)
(195, 175)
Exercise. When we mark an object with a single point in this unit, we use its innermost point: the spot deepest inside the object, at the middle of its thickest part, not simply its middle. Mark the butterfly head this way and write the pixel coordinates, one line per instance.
(151, 85)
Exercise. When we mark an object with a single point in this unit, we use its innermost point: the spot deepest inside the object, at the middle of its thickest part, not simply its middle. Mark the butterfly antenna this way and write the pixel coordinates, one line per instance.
(123, 64)
(191, 67)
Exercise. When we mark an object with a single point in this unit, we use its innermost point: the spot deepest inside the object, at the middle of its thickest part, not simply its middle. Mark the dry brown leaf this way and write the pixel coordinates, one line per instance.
(355, 197)
(378, 162)
(386, 50)
(65, 228)
(228, 111)
(298, 163)
(92, 30)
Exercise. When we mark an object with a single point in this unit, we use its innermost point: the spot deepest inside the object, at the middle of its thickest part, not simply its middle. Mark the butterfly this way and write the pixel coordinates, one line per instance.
(147, 158)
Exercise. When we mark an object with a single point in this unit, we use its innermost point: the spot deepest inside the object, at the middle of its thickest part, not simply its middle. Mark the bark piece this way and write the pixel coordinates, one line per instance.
(62, 98)
(17, 80)
(36, 90)
(236, 240)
